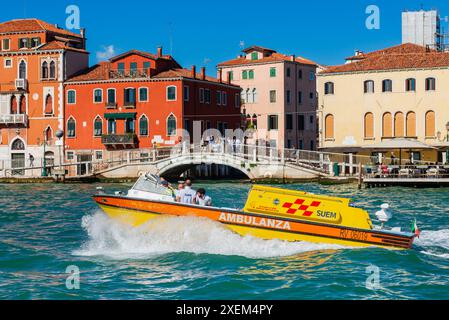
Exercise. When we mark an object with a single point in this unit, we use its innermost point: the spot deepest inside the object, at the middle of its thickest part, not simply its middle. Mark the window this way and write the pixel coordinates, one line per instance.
(13, 105)
(70, 155)
(35, 42)
(289, 72)
(22, 105)
(312, 95)
(289, 122)
(44, 72)
(187, 125)
(143, 126)
(301, 122)
(98, 127)
(171, 93)
(410, 123)
(230, 75)
(312, 75)
(143, 94)
(6, 45)
(329, 88)
(311, 119)
(52, 70)
(171, 126)
(387, 85)
(272, 96)
(430, 124)
(133, 69)
(218, 98)
(272, 72)
(98, 96)
(186, 93)
(237, 101)
(254, 56)
(410, 84)
(130, 97)
(288, 97)
(121, 68)
(251, 74)
(430, 84)
(254, 95)
(329, 127)
(224, 98)
(201, 95)
(112, 126)
(369, 125)
(146, 68)
(111, 96)
(299, 74)
(273, 122)
(22, 70)
(99, 155)
(368, 86)
(8, 63)
(130, 126)
(399, 125)
(299, 97)
(23, 43)
(207, 96)
(244, 74)
(71, 97)
(71, 128)
(48, 105)
(387, 128)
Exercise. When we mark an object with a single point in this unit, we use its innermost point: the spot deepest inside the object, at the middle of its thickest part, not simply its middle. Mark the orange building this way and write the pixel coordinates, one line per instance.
(136, 101)
(35, 60)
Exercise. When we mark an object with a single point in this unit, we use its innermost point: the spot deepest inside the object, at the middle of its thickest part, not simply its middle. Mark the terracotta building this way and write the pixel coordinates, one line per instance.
(35, 59)
(137, 101)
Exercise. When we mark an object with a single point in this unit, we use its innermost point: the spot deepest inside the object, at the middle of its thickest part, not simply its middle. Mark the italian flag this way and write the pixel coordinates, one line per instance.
(415, 229)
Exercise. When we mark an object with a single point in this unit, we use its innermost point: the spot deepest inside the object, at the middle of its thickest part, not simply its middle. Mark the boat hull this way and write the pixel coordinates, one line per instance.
(136, 212)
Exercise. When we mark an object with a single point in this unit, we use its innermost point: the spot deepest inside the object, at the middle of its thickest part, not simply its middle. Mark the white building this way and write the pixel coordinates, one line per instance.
(421, 28)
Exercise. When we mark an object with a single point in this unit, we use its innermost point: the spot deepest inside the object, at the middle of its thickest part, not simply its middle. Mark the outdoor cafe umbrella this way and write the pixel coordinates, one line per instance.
(399, 144)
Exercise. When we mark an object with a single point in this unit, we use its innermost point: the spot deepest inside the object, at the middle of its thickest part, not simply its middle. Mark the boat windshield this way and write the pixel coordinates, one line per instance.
(152, 184)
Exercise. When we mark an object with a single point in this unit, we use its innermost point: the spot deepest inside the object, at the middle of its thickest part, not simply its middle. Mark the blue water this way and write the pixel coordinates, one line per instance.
(46, 228)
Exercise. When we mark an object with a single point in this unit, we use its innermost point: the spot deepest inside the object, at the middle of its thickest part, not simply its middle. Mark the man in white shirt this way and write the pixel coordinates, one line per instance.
(186, 195)
(202, 200)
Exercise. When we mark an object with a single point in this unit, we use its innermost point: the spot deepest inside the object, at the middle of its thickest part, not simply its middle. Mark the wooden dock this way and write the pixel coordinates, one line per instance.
(424, 182)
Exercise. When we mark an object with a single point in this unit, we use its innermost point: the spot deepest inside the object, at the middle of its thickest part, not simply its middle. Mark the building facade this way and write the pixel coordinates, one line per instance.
(138, 101)
(278, 96)
(35, 60)
(398, 92)
(421, 28)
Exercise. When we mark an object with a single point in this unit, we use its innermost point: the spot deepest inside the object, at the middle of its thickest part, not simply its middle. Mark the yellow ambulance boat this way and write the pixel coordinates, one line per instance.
(269, 213)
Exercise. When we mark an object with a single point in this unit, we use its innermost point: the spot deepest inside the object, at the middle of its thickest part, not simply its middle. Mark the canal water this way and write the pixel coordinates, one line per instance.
(45, 229)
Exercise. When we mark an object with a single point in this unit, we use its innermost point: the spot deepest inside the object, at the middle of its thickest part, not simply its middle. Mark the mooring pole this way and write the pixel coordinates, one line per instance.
(360, 175)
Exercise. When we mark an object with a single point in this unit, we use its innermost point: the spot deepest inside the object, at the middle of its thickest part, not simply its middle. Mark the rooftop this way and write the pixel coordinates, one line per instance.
(33, 25)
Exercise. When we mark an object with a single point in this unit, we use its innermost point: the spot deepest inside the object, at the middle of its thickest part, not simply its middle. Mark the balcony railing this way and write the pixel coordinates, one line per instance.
(21, 119)
(117, 139)
(21, 84)
(111, 105)
(135, 73)
(129, 105)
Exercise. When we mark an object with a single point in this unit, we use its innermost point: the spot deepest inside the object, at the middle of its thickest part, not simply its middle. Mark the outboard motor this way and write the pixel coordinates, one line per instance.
(384, 215)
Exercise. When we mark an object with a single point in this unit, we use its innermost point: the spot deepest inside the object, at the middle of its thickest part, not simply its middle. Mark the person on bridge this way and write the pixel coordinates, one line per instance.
(202, 199)
(187, 195)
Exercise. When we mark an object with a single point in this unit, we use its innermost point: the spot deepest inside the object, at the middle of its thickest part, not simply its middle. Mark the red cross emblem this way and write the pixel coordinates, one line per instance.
(299, 205)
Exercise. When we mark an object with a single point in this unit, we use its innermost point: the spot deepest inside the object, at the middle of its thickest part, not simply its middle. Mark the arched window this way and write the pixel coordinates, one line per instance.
(22, 70)
(71, 128)
(399, 125)
(171, 126)
(430, 84)
(329, 88)
(98, 127)
(254, 121)
(45, 70)
(171, 93)
(387, 85)
(411, 124)
(248, 96)
(329, 126)
(13, 105)
(52, 70)
(18, 145)
(48, 135)
(369, 125)
(254, 95)
(143, 126)
(387, 131)
(49, 105)
(430, 124)
(369, 86)
(410, 84)
(22, 105)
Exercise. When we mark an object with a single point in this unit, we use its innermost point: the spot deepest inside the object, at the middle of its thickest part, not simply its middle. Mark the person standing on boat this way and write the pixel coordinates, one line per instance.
(187, 195)
(181, 187)
(202, 199)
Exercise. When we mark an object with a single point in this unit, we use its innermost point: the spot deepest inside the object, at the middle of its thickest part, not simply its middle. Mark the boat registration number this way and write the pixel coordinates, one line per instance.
(354, 234)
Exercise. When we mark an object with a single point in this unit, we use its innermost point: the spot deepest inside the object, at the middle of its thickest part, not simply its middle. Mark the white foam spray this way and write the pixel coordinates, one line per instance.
(434, 243)
(180, 234)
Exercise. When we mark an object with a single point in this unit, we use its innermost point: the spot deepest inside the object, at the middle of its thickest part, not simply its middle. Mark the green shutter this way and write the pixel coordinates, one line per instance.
(245, 74)
(254, 56)
(251, 74)
(273, 72)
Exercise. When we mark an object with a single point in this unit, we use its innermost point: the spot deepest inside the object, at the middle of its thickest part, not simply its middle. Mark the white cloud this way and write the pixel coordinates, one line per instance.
(107, 53)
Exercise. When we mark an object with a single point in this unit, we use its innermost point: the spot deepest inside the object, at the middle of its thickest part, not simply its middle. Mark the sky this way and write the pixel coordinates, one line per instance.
(205, 33)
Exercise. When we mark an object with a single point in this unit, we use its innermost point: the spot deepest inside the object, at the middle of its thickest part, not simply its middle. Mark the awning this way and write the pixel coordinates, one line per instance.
(117, 116)
(399, 143)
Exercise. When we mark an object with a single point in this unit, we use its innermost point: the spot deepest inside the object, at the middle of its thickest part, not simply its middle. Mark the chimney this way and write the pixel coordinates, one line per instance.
(220, 75)
(159, 52)
(293, 58)
(194, 72)
(203, 73)
(83, 35)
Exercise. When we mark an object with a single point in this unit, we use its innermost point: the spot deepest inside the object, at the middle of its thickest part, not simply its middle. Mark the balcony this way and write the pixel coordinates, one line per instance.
(111, 105)
(129, 105)
(128, 139)
(129, 74)
(21, 84)
(14, 119)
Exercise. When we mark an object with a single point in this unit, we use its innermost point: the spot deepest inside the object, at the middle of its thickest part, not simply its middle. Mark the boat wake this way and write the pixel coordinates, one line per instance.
(434, 243)
(180, 234)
